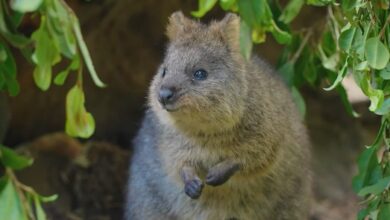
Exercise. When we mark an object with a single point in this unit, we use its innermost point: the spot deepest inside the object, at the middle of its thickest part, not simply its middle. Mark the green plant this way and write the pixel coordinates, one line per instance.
(58, 39)
(18, 200)
(353, 39)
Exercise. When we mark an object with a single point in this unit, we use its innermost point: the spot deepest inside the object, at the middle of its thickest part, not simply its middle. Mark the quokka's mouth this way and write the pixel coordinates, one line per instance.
(170, 107)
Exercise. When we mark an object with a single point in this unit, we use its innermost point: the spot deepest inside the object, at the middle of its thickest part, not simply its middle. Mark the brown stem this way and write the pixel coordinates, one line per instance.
(371, 13)
(19, 187)
(382, 32)
(300, 49)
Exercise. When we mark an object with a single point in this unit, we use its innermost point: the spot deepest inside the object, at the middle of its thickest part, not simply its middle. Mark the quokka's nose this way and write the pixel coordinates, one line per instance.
(166, 95)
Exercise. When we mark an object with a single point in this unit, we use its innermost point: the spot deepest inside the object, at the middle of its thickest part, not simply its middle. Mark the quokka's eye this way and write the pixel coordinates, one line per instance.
(200, 74)
(164, 72)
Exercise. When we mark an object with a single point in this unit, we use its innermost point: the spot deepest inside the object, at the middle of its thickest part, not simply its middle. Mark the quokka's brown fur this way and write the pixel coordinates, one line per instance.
(230, 146)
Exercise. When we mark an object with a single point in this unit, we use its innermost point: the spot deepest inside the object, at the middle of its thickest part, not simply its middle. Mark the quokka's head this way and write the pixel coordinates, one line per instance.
(201, 84)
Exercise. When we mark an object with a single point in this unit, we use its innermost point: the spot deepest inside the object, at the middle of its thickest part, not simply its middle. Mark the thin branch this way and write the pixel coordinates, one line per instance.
(382, 32)
(333, 21)
(385, 140)
(371, 13)
(303, 44)
(18, 188)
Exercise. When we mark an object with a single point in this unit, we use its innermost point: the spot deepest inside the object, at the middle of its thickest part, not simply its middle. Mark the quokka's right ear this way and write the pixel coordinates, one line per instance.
(179, 24)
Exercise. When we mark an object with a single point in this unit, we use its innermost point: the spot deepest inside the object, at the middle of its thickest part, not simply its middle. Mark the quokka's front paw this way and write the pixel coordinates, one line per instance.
(193, 188)
(220, 173)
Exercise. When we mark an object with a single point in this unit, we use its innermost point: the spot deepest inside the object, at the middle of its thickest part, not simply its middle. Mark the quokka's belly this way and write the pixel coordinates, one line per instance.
(232, 200)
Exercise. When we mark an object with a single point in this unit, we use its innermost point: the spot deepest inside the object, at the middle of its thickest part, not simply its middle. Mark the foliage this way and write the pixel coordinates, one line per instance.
(57, 40)
(18, 201)
(354, 40)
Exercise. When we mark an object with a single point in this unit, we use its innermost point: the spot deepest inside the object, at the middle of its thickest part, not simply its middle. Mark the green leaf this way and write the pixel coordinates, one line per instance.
(8, 72)
(291, 11)
(281, 36)
(344, 98)
(3, 183)
(385, 73)
(377, 188)
(348, 5)
(8, 32)
(60, 24)
(328, 43)
(3, 54)
(203, 7)
(247, 13)
(13, 160)
(86, 55)
(309, 68)
(363, 66)
(258, 35)
(384, 109)
(319, 2)
(11, 206)
(369, 169)
(376, 96)
(371, 209)
(384, 212)
(346, 39)
(256, 13)
(42, 76)
(61, 77)
(46, 55)
(299, 101)
(79, 123)
(38, 209)
(59, 80)
(376, 53)
(25, 5)
(331, 62)
(48, 198)
(17, 18)
(245, 40)
(340, 76)
(227, 4)
(359, 42)
(287, 73)
(362, 214)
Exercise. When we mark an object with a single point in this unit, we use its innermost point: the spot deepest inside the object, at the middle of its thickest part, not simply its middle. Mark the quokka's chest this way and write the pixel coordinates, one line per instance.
(178, 151)
(205, 153)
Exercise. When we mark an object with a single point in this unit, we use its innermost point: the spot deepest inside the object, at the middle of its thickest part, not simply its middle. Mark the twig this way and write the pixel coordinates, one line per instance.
(382, 32)
(371, 13)
(333, 21)
(300, 49)
(19, 187)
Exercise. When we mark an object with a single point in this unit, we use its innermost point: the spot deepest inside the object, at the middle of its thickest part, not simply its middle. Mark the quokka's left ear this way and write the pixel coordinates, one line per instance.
(229, 28)
(179, 24)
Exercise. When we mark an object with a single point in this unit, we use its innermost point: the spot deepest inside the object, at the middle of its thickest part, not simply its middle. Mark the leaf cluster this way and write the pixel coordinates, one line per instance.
(58, 39)
(19, 201)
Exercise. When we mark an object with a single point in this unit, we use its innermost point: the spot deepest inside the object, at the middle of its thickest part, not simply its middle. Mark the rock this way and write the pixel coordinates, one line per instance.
(88, 178)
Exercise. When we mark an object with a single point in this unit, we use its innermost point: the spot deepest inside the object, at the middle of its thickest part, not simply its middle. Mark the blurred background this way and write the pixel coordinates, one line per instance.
(126, 41)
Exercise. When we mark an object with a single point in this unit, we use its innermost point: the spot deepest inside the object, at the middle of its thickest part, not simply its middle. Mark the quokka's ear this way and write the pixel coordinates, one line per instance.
(231, 24)
(229, 29)
(179, 24)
